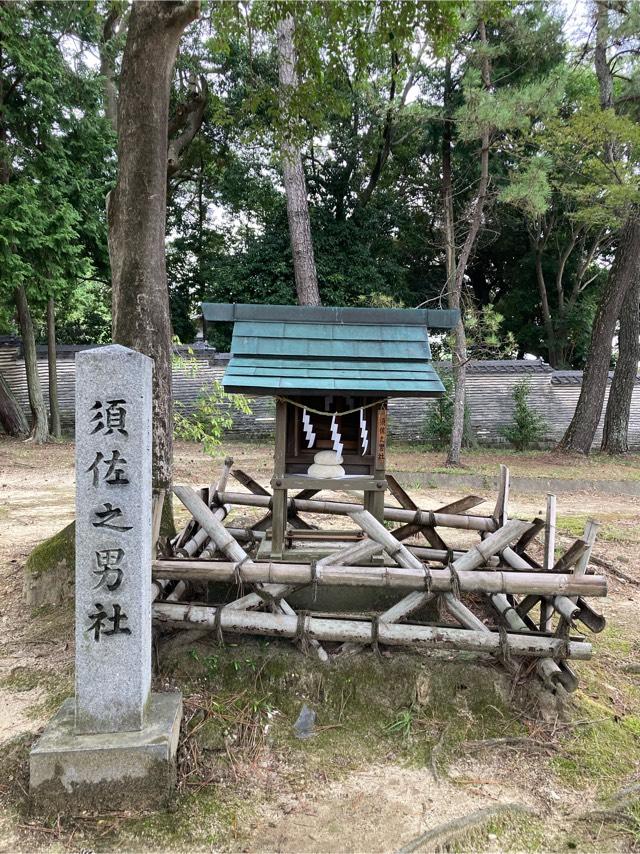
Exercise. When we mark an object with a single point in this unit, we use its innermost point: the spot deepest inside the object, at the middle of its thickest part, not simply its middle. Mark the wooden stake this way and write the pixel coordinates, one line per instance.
(546, 609)
(500, 513)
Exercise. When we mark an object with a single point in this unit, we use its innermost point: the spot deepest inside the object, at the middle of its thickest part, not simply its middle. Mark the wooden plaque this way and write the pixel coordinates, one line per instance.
(381, 438)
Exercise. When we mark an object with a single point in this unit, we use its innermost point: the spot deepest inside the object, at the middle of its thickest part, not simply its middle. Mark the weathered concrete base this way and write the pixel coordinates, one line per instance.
(106, 771)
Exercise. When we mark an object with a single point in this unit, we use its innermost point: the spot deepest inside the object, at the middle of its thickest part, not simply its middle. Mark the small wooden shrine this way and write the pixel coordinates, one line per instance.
(331, 372)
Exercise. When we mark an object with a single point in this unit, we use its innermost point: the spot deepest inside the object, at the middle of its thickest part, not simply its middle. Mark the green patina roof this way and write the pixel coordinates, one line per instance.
(315, 350)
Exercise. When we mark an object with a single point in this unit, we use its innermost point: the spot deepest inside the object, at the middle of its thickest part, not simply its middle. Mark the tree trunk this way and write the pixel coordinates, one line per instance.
(54, 405)
(456, 282)
(137, 206)
(40, 429)
(12, 418)
(453, 294)
(108, 66)
(582, 429)
(603, 71)
(304, 265)
(616, 420)
(552, 353)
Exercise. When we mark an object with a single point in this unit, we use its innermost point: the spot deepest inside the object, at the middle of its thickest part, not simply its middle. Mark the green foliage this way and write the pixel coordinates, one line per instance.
(56, 152)
(368, 117)
(486, 337)
(213, 414)
(527, 427)
(213, 410)
(439, 421)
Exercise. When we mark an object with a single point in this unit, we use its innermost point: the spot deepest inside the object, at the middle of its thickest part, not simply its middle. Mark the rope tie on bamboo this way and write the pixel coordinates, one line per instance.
(505, 649)
(314, 579)
(375, 633)
(455, 580)
(217, 625)
(419, 516)
(428, 580)
(510, 607)
(237, 575)
(562, 634)
(450, 557)
(302, 630)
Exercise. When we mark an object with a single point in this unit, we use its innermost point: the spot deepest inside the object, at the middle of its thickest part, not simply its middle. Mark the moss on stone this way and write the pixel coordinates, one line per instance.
(59, 548)
(50, 569)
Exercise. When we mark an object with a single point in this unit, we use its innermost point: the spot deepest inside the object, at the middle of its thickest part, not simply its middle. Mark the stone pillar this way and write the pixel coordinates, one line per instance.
(114, 745)
(113, 539)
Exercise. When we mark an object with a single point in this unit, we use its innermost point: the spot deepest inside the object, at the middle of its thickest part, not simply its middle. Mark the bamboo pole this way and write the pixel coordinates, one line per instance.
(202, 537)
(549, 671)
(546, 609)
(248, 535)
(401, 554)
(345, 508)
(227, 544)
(570, 609)
(590, 534)
(536, 526)
(221, 483)
(440, 580)
(280, 625)
(476, 556)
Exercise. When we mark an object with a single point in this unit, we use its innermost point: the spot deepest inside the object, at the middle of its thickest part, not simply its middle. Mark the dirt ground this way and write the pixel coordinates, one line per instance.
(286, 799)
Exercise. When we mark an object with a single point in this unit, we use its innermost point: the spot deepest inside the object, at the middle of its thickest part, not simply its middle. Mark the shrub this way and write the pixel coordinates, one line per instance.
(213, 411)
(527, 427)
(439, 422)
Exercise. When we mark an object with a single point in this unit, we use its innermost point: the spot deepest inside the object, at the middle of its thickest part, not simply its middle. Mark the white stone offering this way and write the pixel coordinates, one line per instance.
(328, 458)
(326, 464)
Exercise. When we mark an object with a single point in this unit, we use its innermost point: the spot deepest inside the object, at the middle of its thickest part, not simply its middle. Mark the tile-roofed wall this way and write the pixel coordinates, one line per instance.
(490, 383)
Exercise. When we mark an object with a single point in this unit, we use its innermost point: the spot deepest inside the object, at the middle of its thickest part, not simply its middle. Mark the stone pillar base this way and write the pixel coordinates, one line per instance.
(107, 771)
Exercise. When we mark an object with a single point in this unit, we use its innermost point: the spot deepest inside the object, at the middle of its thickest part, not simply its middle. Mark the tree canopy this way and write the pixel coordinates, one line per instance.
(368, 116)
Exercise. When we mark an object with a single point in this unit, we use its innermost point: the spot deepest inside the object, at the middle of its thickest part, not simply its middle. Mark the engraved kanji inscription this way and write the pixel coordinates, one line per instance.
(109, 417)
(107, 516)
(101, 619)
(109, 569)
(114, 473)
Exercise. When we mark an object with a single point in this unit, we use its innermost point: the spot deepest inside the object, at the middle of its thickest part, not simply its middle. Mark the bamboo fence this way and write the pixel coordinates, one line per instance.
(494, 597)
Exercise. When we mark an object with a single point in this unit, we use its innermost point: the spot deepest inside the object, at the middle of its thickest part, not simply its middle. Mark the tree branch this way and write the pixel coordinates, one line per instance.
(188, 119)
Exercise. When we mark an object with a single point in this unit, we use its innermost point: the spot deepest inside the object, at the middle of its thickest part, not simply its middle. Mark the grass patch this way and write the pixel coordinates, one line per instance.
(543, 464)
(508, 832)
(603, 747)
(611, 530)
(207, 820)
(55, 686)
(366, 707)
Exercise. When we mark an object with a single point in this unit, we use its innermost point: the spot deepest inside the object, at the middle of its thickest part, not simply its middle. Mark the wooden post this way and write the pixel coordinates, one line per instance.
(500, 512)
(374, 500)
(279, 505)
